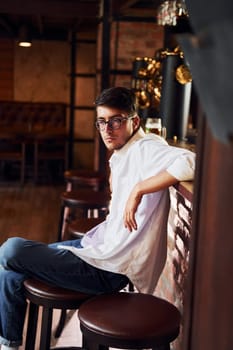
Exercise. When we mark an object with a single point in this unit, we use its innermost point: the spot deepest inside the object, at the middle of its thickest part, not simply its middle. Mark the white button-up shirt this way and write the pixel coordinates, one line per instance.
(140, 254)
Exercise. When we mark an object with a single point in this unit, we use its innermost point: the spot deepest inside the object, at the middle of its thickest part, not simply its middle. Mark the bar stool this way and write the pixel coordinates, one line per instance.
(83, 200)
(48, 297)
(78, 228)
(84, 178)
(128, 321)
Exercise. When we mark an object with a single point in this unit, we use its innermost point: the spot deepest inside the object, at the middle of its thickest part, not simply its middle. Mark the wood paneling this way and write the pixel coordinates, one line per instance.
(209, 308)
(6, 69)
(31, 212)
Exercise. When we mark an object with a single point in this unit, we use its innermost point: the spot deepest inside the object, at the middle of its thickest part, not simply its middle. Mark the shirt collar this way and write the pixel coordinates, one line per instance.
(140, 134)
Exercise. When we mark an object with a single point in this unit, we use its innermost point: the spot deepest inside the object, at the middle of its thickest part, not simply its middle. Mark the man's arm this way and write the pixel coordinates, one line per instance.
(152, 184)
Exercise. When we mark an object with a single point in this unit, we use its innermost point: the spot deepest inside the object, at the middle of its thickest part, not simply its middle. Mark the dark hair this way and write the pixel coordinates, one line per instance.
(117, 97)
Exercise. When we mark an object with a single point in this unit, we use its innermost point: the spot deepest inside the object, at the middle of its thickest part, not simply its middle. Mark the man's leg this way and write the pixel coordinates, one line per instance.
(57, 266)
(50, 264)
(12, 307)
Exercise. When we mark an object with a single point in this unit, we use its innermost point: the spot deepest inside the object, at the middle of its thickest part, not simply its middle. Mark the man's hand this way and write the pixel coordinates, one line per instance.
(152, 184)
(131, 208)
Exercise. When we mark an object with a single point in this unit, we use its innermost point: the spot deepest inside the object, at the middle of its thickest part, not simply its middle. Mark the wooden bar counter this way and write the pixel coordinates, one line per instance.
(172, 283)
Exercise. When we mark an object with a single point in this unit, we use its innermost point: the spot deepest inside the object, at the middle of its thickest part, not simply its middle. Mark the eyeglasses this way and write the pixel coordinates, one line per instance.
(113, 123)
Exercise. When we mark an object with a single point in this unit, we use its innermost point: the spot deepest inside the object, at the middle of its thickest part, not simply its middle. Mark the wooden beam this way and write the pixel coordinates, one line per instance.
(69, 9)
(134, 8)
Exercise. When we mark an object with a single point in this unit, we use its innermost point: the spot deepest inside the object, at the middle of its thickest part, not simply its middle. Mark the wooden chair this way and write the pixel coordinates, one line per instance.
(12, 149)
(49, 148)
(128, 321)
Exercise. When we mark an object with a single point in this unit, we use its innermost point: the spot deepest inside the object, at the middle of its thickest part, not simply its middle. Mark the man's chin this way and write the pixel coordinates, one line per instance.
(112, 146)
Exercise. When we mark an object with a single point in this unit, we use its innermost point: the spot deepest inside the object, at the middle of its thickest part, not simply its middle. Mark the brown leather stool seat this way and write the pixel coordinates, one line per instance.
(128, 320)
(89, 178)
(49, 297)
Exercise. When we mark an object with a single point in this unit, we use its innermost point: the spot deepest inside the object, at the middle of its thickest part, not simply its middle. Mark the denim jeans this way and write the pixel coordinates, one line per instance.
(21, 259)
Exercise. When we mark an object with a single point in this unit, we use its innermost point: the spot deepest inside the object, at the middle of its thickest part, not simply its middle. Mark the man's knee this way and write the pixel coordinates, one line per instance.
(10, 250)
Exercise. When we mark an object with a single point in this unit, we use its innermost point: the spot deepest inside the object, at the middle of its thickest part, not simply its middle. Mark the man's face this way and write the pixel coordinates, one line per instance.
(118, 131)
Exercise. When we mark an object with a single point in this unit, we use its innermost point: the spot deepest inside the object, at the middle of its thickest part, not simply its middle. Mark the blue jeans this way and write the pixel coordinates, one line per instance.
(21, 259)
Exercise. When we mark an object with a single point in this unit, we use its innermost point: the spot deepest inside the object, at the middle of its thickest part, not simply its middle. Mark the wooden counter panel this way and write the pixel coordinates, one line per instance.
(186, 189)
(171, 285)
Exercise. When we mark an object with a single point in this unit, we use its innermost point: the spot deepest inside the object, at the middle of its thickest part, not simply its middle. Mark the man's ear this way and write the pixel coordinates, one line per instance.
(136, 122)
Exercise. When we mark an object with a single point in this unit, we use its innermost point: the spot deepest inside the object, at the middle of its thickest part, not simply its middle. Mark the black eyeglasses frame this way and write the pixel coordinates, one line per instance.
(117, 118)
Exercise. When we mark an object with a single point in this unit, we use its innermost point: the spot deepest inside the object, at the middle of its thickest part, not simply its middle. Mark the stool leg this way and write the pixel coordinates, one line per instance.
(22, 172)
(60, 225)
(46, 328)
(32, 326)
(131, 286)
(103, 347)
(92, 345)
(61, 324)
(35, 162)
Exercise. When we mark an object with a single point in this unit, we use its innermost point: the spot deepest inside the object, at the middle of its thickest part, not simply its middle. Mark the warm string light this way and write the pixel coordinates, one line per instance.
(146, 82)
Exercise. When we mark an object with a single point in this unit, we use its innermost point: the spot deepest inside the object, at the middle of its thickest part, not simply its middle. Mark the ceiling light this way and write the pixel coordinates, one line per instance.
(24, 38)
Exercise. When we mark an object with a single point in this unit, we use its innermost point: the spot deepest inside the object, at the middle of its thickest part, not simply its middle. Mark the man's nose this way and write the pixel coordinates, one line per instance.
(108, 127)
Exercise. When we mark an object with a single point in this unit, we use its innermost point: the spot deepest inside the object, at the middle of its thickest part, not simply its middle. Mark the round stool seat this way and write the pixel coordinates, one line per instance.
(41, 294)
(91, 178)
(129, 320)
(86, 198)
(44, 294)
(79, 227)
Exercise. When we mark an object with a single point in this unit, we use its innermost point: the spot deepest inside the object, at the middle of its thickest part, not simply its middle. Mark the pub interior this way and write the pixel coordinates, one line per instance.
(177, 57)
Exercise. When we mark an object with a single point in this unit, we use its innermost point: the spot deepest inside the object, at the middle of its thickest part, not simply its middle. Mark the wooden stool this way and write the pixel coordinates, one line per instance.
(128, 321)
(49, 297)
(78, 228)
(84, 178)
(83, 200)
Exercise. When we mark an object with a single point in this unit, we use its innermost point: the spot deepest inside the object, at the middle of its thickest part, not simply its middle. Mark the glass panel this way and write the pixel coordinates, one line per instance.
(85, 91)
(86, 58)
(84, 124)
(84, 155)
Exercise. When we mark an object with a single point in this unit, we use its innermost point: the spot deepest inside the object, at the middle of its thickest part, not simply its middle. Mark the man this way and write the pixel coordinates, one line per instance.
(129, 245)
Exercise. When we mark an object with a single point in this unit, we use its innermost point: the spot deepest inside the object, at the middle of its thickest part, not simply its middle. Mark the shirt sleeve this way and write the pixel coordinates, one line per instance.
(183, 167)
(151, 157)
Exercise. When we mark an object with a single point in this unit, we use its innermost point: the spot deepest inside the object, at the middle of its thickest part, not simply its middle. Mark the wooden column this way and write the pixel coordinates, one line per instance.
(105, 71)
(209, 307)
(72, 98)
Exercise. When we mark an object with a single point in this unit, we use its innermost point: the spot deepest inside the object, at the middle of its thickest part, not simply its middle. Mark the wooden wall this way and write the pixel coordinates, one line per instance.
(6, 70)
(209, 307)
